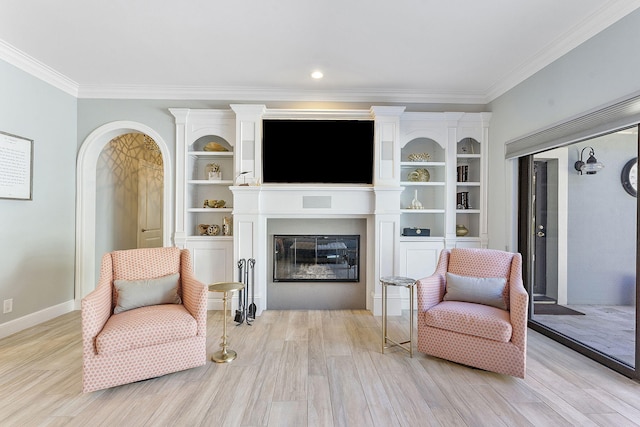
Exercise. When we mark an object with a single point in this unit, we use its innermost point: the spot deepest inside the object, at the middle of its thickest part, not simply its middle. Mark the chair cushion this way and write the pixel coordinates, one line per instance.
(481, 290)
(470, 319)
(144, 327)
(132, 294)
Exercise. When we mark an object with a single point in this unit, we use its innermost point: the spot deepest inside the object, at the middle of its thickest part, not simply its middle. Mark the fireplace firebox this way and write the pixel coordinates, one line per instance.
(316, 258)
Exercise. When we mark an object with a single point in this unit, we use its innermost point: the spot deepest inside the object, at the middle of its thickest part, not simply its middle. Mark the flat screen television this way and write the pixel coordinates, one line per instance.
(317, 151)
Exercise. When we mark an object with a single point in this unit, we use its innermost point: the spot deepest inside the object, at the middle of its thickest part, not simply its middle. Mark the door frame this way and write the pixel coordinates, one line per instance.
(525, 247)
(539, 237)
(85, 264)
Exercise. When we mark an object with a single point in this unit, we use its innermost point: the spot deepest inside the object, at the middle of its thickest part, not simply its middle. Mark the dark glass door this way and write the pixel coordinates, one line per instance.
(578, 236)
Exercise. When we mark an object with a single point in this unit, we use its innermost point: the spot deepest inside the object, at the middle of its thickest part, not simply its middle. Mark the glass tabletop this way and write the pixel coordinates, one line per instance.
(398, 281)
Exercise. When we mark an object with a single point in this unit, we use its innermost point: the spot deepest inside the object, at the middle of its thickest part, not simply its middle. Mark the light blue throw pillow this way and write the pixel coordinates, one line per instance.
(480, 290)
(140, 293)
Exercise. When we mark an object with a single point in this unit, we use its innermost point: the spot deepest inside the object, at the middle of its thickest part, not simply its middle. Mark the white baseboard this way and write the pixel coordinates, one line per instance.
(33, 319)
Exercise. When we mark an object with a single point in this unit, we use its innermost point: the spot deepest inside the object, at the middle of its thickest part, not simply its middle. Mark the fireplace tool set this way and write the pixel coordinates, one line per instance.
(246, 312)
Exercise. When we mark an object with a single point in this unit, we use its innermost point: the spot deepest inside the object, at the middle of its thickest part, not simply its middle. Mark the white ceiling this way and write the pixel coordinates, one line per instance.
(461, 51)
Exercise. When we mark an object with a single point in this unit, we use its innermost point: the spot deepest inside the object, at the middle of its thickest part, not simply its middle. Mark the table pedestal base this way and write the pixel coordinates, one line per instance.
(224, 356)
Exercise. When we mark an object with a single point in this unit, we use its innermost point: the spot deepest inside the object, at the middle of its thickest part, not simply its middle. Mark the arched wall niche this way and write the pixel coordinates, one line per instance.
(85, 266)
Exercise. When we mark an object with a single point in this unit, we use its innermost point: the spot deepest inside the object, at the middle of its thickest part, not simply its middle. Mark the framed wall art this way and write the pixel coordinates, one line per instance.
(16, 167)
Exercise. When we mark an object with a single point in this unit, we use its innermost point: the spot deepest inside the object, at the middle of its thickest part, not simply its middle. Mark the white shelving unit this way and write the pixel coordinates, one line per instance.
(427, 188)
(469, 184)
(200, 188)
(452, 140)
(212, 255)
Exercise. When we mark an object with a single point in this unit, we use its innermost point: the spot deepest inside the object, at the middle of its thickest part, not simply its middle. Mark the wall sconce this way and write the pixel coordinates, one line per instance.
(592, 165)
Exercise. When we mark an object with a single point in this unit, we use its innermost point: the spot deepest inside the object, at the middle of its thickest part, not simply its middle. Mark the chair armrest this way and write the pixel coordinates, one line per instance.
(518, 309)
(430, 291)
(96, 307)
(194, 293)
(518, 304)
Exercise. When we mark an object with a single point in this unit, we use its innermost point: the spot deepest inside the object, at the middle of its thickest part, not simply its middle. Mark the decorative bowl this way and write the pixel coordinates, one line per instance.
(212, 203)
(419, 175)
(214, 146)
(419, 157)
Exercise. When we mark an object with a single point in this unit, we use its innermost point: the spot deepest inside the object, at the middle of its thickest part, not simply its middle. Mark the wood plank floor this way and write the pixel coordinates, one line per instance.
(310, 368)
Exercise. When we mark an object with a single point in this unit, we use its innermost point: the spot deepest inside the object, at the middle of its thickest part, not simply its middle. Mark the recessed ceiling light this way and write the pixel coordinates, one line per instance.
(317, 75)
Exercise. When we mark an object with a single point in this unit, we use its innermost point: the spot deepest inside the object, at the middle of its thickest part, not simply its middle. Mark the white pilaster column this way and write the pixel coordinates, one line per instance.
(387, 189)
(181, 115)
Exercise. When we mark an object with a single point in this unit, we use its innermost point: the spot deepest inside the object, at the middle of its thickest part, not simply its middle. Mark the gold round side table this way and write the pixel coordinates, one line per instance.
(225, 355)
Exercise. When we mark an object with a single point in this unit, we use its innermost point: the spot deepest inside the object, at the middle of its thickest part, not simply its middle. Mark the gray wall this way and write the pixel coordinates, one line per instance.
(601, 70)
(37, 237)
(602, 227)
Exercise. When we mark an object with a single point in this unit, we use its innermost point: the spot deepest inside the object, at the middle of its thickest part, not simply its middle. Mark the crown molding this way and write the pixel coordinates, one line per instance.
(37, 69)
(238, 93)
(611, 12)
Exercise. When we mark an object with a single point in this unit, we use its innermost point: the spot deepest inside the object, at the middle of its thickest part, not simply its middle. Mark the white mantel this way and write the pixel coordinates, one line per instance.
(255, 205)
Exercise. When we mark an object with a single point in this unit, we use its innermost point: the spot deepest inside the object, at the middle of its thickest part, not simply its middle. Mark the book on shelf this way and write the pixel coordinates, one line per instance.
(463, 200)
(463, 173)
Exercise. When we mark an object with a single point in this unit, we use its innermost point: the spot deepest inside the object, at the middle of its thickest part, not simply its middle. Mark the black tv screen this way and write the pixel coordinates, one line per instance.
(317, 151)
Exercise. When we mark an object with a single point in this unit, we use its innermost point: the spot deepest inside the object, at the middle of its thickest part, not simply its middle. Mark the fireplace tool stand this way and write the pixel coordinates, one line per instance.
(246, 313)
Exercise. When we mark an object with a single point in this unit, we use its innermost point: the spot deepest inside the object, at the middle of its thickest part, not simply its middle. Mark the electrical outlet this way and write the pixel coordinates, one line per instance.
(7, 307)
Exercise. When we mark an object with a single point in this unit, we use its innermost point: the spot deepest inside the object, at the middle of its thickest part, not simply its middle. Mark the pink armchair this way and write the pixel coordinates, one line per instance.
(149, 341)
(459, 328)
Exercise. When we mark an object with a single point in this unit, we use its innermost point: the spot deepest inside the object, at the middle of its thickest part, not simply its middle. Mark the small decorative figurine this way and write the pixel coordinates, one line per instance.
(208, 230)
(213, 172)
(212, 203)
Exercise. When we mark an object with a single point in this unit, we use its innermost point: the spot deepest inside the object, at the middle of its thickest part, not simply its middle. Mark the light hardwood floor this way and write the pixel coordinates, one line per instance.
(310, 368)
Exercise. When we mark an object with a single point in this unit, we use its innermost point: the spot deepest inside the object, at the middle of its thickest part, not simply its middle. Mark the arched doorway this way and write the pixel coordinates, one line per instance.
(85, 278)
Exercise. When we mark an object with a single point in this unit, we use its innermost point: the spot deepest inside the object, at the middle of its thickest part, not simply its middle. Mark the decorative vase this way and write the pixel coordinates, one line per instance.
(415, 203)
(461, 230)
(226, 226)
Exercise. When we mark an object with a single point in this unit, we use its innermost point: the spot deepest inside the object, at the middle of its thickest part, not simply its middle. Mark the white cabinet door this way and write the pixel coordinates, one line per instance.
(212, 260)
(419, 259)
(461, 243)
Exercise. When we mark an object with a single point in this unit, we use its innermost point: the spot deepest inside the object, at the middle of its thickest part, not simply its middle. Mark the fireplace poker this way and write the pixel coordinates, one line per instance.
(252, 307)
(239, 318)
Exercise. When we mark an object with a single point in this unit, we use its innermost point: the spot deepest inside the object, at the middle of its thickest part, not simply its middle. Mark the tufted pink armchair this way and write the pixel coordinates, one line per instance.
(459, 328)
(148, 341)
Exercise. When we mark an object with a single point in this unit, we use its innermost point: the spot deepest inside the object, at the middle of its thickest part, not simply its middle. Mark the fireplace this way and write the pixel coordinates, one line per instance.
(304, 254)
(316, 258)
(264, 211)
